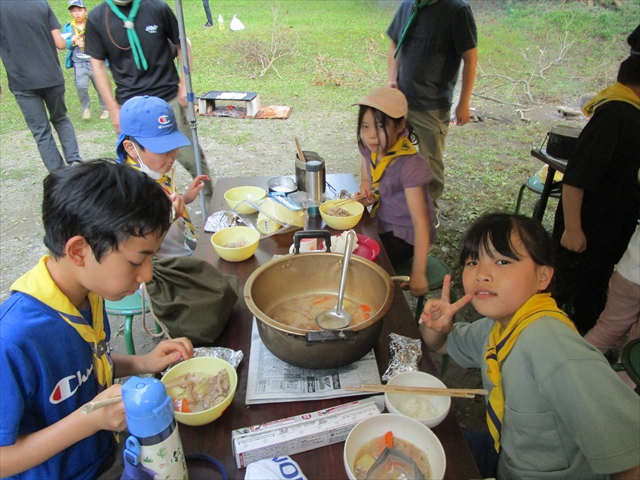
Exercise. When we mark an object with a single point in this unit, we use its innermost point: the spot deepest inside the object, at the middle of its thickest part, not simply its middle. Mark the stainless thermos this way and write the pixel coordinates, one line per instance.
(314, 183)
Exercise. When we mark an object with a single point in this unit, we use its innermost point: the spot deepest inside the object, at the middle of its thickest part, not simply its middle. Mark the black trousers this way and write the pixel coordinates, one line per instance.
(397, 249)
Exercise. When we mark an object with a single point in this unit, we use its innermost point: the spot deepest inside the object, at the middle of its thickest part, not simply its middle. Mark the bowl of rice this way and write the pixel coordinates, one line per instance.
(429, 410)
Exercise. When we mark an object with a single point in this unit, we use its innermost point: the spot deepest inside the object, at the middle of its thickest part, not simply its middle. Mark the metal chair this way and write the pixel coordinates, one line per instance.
(536, 184)
(128, 307)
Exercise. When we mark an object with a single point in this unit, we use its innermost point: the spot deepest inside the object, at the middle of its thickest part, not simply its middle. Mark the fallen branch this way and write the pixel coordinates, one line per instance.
(496, 100)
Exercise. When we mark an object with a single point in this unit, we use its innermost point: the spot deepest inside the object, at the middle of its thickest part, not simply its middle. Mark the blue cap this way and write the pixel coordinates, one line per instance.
(76, 3)
(152, 123)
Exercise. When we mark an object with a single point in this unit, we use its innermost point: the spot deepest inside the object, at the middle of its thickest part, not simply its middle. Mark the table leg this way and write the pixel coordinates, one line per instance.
(546, 191)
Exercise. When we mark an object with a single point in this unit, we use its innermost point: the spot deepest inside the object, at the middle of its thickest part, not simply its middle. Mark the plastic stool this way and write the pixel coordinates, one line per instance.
(535, 184)
(127, 308)
(436, 271)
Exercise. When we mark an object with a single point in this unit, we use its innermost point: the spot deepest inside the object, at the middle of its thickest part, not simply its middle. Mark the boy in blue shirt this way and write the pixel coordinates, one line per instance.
(54, 333)
(73, 33)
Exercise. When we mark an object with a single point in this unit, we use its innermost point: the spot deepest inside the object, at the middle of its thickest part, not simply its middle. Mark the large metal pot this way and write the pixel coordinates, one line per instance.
(293, 275)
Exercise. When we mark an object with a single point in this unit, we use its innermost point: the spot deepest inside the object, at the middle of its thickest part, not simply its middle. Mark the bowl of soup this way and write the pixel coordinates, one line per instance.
(430, 410)
(236, 244)
(342, 216)
(201, 388)
(366, 442)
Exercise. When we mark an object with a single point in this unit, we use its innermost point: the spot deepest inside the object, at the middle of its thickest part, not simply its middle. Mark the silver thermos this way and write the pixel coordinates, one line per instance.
(314, 183)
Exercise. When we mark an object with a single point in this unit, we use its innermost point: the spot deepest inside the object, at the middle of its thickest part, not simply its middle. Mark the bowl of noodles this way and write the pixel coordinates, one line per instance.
(236, 244)
(201, 388)
(366, 442)
(343, 216)
(429, 410)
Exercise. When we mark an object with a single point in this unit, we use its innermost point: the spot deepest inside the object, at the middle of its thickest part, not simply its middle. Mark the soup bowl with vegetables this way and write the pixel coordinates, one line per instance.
(366, 442)
(201, 388)
(236, 244)
(343, 216)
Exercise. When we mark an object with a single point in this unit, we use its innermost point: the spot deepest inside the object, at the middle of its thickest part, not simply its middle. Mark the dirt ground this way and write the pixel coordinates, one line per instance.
(233, 148)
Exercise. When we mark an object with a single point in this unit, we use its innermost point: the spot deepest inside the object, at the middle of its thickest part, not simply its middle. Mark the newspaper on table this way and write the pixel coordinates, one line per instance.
(271, 380)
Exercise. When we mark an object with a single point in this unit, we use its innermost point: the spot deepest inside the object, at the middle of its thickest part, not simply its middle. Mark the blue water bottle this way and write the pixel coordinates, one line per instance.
(153, 449)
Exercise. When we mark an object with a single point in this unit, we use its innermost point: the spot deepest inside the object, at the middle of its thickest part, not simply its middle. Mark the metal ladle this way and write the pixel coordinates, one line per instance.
(337, 318)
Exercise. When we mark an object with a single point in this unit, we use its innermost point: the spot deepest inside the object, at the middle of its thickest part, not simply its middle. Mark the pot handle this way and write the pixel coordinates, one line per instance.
(324, 234)
(400, 278)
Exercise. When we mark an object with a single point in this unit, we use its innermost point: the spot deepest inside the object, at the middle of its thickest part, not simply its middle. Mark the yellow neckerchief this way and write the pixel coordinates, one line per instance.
(38, 283)
(502, 340)
(165, 181)
(78, 30)
(618, 92)
(377, 167)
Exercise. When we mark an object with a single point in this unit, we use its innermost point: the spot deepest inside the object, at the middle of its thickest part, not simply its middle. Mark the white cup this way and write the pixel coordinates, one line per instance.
(306, 245)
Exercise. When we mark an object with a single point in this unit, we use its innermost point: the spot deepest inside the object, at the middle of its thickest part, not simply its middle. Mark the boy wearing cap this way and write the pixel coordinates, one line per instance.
(54, 332)
(73, 33)
(149, 141)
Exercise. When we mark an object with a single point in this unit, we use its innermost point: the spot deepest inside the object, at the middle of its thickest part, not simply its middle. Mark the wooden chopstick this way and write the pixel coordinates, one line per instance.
(299, 148)
(173, 189)
(344, 201)
(91, 406)
(445, 392)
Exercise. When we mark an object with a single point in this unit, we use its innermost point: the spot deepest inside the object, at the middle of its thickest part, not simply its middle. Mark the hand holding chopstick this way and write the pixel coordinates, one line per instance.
(92, 406)
(446, 392)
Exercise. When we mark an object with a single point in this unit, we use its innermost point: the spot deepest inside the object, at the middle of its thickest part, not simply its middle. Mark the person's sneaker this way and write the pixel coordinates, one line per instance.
(86, 114)
(208, 25)
(105, 114)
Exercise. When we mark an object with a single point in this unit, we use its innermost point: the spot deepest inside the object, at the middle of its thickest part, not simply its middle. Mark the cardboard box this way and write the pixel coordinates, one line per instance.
(287, 436)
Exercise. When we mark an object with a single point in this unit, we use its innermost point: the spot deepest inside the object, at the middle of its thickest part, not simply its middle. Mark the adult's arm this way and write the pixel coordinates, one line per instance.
(392, 66)
(470, 59)
(35, 448)
(631, 474)
(182, 89)
(573, 238)
(61, 43)
(101, 77)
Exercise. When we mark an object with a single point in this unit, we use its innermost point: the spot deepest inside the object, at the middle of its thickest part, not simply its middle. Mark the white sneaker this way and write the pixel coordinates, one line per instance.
(86, 114)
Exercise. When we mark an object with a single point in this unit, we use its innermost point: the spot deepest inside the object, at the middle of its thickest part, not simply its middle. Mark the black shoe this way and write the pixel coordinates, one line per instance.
(208, 25)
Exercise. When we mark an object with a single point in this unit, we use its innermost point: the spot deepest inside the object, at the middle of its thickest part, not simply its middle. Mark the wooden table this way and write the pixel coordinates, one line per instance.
(326, 462)
(555, 164)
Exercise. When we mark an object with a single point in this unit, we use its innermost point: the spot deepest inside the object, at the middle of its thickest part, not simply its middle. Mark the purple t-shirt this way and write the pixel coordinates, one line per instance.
(393, 213)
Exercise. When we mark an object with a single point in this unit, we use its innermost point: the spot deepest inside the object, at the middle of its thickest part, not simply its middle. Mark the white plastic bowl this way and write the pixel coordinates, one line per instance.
(402, 427)
(418, 379)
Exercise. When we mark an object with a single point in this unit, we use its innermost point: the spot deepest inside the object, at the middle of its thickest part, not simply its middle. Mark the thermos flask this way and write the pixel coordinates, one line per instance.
(314, 182)
(153, 450)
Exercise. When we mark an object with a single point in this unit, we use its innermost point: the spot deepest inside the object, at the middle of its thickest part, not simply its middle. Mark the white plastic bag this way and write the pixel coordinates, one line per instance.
(236, 24)
(277, 468)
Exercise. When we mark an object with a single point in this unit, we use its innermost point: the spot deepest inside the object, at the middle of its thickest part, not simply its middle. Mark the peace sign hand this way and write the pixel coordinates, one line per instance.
(438, 313)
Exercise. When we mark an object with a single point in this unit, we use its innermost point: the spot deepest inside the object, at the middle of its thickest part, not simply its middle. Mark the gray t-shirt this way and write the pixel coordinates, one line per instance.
(430, 56)
(26, 46)
(567, 414)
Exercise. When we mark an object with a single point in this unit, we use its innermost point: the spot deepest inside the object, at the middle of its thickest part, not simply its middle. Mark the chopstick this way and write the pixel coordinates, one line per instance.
(299, 148)
(173, 189)
(91, 406)
(445, 392)
(344, 201)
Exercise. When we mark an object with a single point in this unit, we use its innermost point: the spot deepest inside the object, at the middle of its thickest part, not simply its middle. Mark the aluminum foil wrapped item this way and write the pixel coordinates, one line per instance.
(405, 355)
(219, 220)
(233, 357)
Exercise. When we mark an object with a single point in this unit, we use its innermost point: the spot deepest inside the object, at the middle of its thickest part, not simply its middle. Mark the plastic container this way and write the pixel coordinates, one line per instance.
(220, 23)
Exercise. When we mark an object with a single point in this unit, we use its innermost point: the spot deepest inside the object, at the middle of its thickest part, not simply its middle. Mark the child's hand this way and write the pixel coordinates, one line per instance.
(194, 188)
(178, 205)
(166, 353)
(438, 313)
(369, 198)
(112, 417)
(418, 284)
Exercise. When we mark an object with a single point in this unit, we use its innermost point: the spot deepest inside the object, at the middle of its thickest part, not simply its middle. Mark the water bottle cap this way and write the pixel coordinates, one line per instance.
(148, 408)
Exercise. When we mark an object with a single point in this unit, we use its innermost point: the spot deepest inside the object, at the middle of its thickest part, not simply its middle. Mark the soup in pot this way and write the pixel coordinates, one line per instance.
(301, 311)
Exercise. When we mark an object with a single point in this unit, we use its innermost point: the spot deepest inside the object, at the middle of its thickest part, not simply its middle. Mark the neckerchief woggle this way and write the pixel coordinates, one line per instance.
(417, 6)
(165, 181)
(38, 283)
(501, 342)
(617, 92)
(78, 31)
(377, 167)
(134, 41)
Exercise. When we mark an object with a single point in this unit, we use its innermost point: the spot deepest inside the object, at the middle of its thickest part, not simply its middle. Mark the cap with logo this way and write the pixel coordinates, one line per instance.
(76, 3)
(388, 100)
(152, 123)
